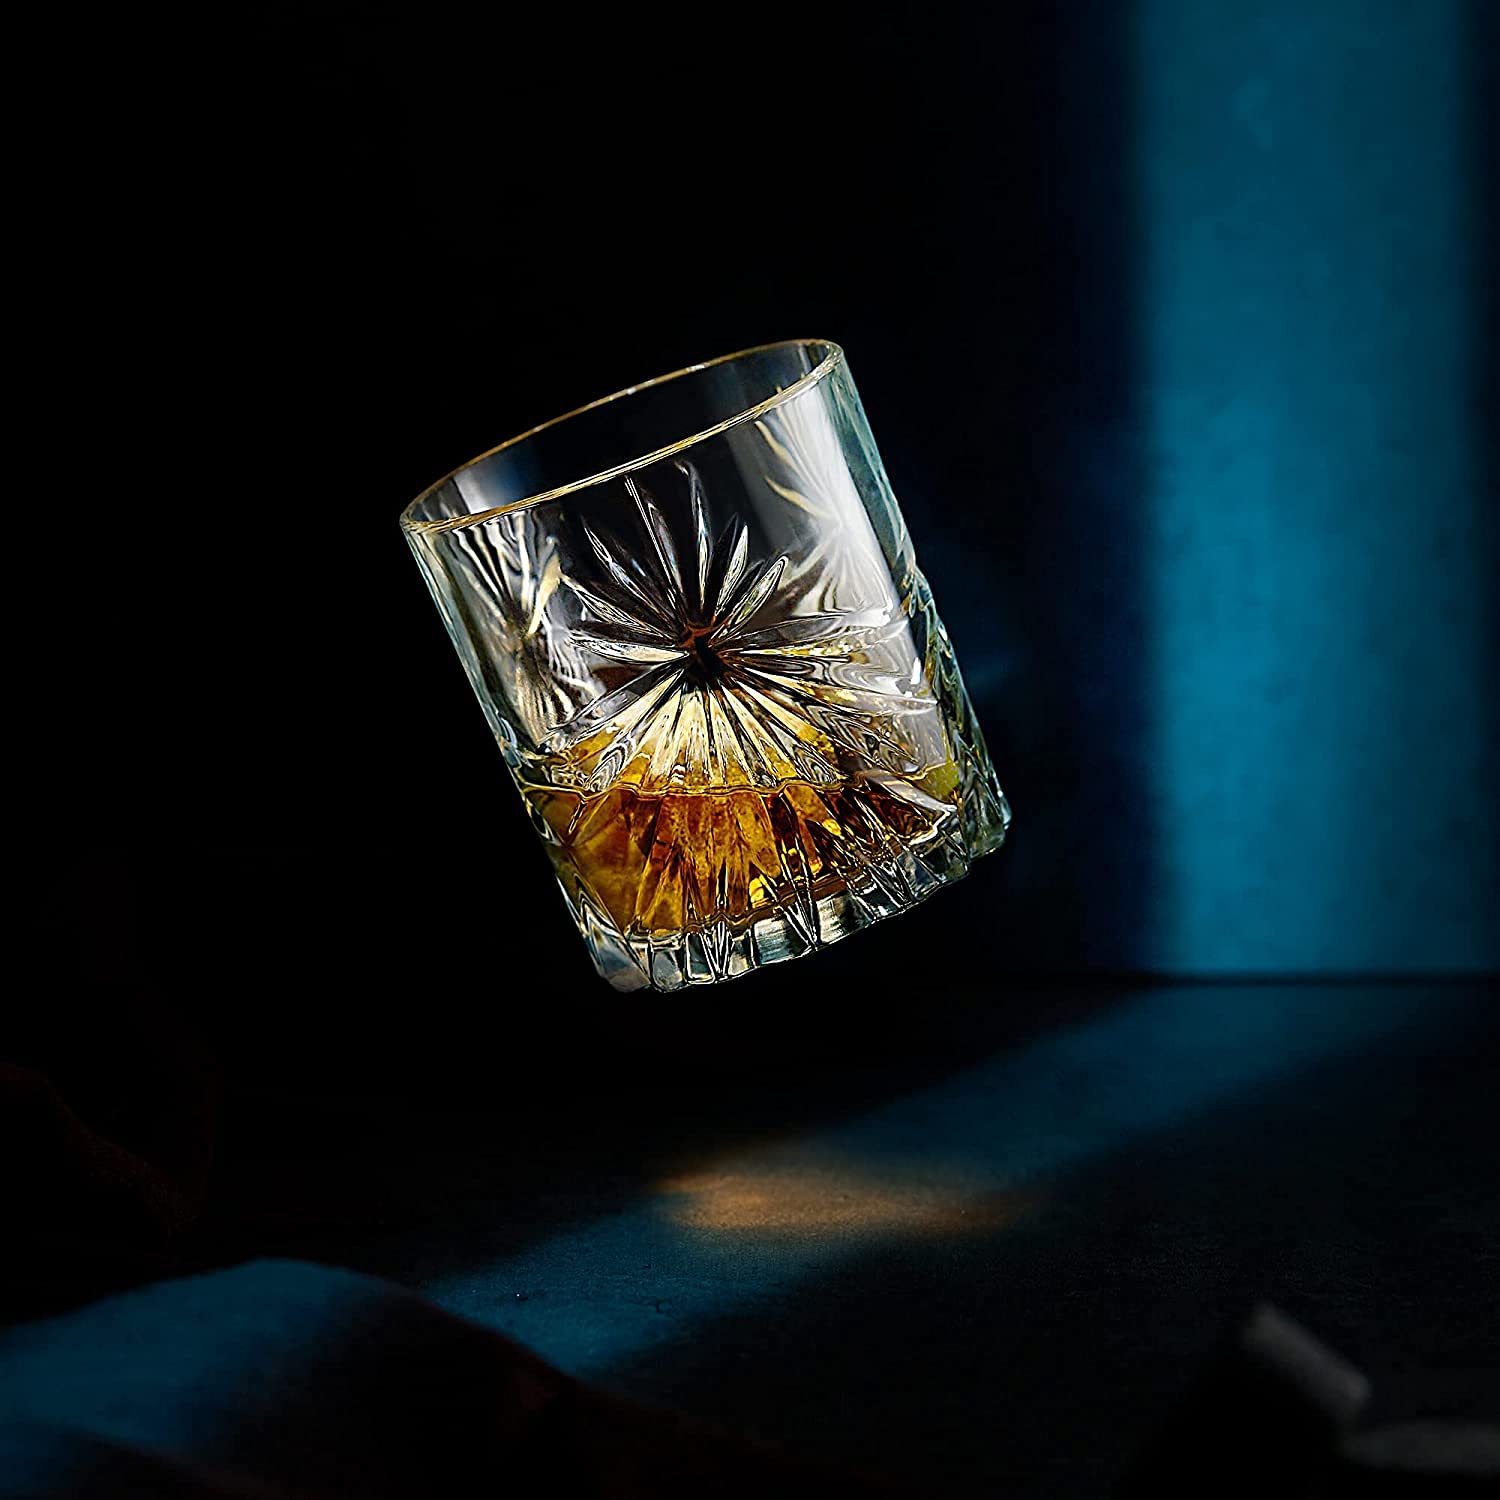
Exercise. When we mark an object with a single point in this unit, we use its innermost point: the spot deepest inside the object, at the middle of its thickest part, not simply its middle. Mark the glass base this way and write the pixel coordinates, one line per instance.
(800, 923)
(682, 889)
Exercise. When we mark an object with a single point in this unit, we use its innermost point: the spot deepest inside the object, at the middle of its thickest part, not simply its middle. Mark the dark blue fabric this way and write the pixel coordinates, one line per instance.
(281, 1378)
(297, 1376)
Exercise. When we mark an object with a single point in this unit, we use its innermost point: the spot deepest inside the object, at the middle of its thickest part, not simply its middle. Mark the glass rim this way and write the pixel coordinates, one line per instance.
(831, 357)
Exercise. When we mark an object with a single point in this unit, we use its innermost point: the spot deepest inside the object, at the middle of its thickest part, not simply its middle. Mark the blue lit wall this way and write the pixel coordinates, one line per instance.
(1317, 546)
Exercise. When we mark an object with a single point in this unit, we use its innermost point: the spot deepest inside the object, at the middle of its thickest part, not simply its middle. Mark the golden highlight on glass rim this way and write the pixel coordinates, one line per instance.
(693, 618)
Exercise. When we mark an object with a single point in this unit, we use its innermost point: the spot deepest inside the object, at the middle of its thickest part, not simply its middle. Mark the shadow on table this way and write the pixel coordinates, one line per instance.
(422, 1167)
(1036, 1356)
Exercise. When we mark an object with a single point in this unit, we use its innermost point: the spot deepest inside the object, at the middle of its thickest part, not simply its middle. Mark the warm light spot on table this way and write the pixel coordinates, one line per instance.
(796, 1201)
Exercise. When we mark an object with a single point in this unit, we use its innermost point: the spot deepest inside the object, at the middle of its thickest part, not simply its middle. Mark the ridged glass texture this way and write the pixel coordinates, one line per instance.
(713, 667)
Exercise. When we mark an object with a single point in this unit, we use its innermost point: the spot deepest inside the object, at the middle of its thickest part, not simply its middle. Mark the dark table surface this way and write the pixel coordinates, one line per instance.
(986, 1246)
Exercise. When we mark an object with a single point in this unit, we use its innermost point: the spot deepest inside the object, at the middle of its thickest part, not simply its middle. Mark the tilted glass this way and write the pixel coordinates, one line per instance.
(713, 666)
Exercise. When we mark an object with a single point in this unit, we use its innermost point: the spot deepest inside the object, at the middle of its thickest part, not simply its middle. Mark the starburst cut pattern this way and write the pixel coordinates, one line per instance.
(753, 781)
(723, 691)
(806, 468)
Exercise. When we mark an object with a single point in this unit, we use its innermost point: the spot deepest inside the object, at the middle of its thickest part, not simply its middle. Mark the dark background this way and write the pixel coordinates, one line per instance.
(359, 246)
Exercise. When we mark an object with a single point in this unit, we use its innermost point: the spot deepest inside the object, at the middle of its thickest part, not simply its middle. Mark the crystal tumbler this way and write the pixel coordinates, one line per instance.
(693, 619)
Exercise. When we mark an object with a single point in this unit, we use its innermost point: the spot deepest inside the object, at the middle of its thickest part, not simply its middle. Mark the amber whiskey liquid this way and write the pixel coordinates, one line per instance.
(666, 861)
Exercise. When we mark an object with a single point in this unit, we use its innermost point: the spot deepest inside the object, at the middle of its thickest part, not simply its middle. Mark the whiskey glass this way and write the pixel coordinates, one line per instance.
(693, 618)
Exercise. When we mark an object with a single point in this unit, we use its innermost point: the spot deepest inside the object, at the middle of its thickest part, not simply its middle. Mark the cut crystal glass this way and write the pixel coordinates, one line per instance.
(693, 618)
